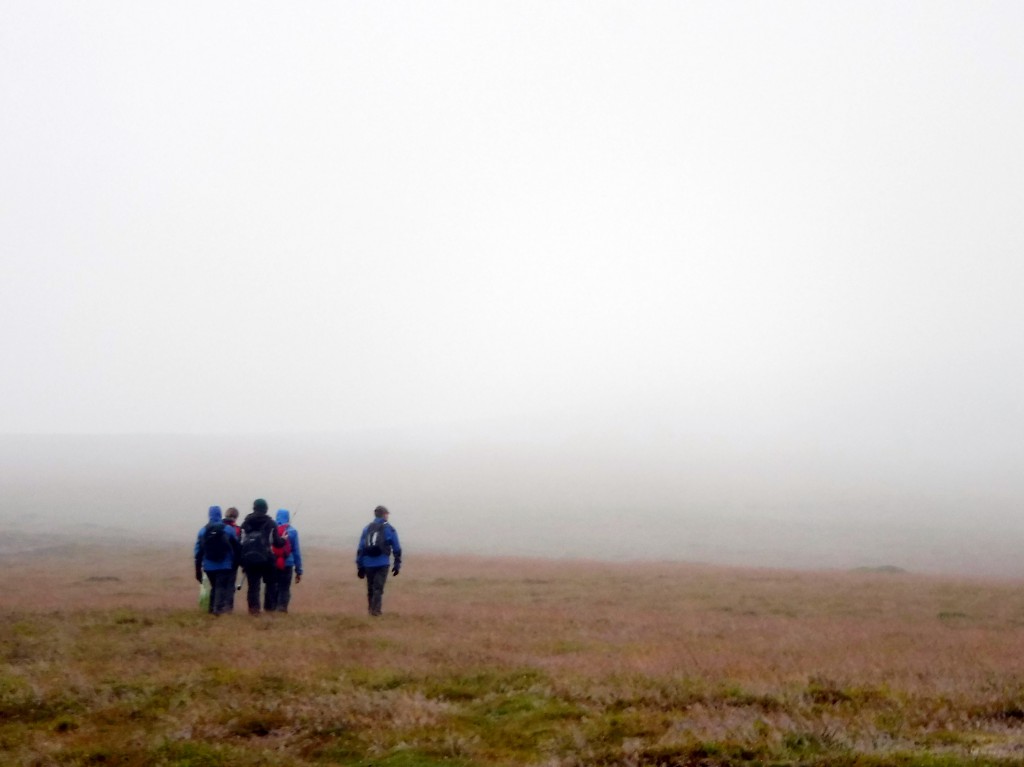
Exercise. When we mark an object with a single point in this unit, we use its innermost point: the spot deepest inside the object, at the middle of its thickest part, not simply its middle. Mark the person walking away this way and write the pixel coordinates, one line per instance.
(287, 560)
(373, 557)
(259, 533)
(231, 520)
(216, 552)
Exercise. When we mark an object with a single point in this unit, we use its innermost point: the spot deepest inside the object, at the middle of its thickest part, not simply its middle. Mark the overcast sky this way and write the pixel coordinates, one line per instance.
(768, 225)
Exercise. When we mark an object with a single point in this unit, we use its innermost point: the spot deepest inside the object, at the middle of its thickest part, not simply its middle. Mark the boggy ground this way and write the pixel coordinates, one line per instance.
(104, 659)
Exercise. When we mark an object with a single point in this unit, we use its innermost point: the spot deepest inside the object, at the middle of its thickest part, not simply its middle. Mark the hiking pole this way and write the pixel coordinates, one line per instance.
(238, 587)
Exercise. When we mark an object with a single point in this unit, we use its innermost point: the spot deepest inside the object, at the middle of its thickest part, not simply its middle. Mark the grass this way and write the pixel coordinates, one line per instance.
(104, 660)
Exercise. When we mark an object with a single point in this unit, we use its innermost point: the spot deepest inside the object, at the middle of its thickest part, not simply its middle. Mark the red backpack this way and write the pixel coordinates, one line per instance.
(281, 553)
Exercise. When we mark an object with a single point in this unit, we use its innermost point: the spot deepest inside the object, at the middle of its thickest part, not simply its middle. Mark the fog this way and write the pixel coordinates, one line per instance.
(730, 281)
(556, 495)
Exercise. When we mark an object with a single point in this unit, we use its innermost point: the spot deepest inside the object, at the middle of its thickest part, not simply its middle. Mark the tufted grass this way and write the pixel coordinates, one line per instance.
(106, 660)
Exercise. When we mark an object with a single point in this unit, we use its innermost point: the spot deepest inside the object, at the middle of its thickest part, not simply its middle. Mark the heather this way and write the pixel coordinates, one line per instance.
(106, 660)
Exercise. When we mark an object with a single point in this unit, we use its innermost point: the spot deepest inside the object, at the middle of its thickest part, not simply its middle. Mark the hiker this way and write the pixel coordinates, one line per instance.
(216, 552)
(231, 520)
(376, 545)
(287, 560)
(259, 533)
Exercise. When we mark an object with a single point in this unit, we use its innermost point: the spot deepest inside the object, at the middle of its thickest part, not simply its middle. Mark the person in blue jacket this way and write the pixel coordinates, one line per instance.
(287, 560)
(216, 552)
(373, 557)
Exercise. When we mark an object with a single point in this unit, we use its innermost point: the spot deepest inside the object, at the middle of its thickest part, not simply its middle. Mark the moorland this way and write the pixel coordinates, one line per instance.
(105, 659)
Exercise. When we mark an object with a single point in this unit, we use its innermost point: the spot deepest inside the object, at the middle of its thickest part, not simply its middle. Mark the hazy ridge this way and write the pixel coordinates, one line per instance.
(556, 495)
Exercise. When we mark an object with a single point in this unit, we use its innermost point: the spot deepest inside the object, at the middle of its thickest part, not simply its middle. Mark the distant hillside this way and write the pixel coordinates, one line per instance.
(620, 498)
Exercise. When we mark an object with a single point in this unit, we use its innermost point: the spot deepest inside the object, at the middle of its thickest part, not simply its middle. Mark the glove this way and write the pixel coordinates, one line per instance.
(298, 577)
(397, 567)
(199, 575)
(360, 573)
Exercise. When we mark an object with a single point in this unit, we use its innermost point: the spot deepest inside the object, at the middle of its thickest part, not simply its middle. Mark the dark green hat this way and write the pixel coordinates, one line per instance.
(259, 506)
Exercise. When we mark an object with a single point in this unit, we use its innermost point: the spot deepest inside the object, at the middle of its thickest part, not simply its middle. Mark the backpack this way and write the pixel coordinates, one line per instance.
(375, 542)
(255, 547)
(281, 553)
(215, 542)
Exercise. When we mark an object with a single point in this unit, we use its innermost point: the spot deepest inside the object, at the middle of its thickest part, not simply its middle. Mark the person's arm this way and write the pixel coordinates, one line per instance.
(396, 548)
(197, 554)
(293, 535)
(236, 546)
(360, 572)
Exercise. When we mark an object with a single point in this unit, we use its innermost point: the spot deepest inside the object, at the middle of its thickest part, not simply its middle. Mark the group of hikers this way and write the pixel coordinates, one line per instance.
(267, 552)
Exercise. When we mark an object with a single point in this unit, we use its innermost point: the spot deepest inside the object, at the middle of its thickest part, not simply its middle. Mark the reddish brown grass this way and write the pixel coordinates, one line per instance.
(642, 657)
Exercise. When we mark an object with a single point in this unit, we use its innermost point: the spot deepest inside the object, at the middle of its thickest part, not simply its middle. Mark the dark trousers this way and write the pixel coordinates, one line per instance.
(279, 590)
(256, 575)
(234, 588)
(376, 577)
(222, 591)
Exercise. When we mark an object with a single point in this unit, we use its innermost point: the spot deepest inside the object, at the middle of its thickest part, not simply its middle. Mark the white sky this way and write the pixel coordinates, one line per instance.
(763, 224)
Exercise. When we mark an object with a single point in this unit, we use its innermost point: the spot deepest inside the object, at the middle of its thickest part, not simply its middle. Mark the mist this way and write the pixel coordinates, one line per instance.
(561, 495)
(735, 282)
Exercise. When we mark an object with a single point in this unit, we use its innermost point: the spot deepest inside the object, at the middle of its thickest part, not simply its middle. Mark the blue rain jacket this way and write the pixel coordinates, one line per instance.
(295, 558)
(211, 564)
(365, 560)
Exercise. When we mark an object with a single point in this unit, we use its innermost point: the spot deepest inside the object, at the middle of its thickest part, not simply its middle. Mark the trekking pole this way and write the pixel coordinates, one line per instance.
(239, 586)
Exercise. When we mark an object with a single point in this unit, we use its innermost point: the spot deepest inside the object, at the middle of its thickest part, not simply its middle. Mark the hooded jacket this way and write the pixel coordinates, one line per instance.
(391, 535)
(295, 558)
(262, 523)
(212, 564)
